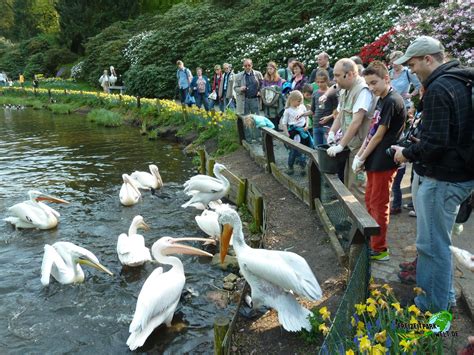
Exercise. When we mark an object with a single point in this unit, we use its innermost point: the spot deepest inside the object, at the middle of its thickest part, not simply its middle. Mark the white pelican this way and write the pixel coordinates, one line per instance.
(62, 259)
(148, 181)
(129, 193)
(113, 76)
(161, 292)
(209, 224)
(131, 248)
(274, 276)
(204, 188)
(34, 213)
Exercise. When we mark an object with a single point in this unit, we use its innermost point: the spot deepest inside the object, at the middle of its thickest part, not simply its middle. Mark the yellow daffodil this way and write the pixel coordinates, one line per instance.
(353, 321)
(381, 337)
(323, 329)
(360, 325)
(413, 320)
(428, 314)
(382, 303)
(371, 301)
(350, 352)
(378, 349)
(360, 333)
(372, 310)
(388, 289)
(364, 344)
(360, 308)
(325, 313)
(376, 293)
(405, 344)
(414, 309)
(397, 307)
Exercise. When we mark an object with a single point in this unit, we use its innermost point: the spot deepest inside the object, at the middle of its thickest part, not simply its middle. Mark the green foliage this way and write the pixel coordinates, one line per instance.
(62, 109)
(144, 81)
(35, 65)
(105, 118)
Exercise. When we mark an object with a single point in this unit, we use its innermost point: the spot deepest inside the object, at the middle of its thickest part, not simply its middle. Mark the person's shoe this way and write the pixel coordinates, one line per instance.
(407, 277)
(412, 213)
(380, 255)
(408, 265)
(290, 171)
(394, 211)
(408, 206)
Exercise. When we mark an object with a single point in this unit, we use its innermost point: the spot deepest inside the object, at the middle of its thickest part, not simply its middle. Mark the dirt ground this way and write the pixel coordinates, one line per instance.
(293, 226)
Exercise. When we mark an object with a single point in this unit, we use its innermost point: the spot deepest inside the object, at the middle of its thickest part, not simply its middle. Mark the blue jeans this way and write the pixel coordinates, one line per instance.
(396, 190)
(319, 135)
(296, 156)
(182, 94)
(218, 102)
(437, 204)
(201, 98)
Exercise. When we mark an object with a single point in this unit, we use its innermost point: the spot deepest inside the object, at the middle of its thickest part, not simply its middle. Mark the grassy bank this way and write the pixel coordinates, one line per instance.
(216, 130)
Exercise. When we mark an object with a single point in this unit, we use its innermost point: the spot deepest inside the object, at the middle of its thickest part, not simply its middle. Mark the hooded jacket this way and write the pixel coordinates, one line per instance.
(447, 124)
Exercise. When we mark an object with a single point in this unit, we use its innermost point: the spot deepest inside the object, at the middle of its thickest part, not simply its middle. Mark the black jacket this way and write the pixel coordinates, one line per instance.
(447, 124)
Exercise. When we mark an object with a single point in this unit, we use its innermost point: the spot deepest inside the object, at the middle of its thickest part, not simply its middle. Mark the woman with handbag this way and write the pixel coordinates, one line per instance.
(214, 96)
(200, 89)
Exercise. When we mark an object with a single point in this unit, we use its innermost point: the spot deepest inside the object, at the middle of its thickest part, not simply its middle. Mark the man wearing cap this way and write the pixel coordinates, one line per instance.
(447, 131)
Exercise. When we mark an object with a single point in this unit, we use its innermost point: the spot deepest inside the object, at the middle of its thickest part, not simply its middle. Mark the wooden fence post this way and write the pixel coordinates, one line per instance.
(314, 183)
(221, 325)
(138, 102)
(240, 129)
(211, 163)
(269, 153)
(241, 192)
(259, 211)
(202, 156)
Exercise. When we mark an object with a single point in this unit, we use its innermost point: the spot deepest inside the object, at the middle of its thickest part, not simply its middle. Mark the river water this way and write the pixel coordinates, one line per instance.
(76, 160)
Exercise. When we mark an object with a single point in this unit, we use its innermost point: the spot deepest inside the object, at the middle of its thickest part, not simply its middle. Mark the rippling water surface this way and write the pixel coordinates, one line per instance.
(71, 158)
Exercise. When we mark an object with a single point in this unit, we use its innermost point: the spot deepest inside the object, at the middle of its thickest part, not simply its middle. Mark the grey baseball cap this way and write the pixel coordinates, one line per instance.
(420, 47)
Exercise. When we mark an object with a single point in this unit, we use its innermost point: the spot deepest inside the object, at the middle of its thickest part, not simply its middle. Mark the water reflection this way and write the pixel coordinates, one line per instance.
(71, 158)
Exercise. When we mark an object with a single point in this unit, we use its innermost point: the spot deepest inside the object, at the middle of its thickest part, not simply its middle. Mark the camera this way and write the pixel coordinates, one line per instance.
(406, 139)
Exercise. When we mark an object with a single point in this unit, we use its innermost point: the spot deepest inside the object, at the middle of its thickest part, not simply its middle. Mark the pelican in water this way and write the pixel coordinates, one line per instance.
(161, 291)
(131, 248)
(33, 213)
(129, 193)
(274, 276)
(63, 260)
(148, 181)
(209, 223)
(204, 188)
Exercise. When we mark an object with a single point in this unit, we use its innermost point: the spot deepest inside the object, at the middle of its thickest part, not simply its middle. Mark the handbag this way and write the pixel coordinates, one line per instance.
(190, 100)
(213, 96)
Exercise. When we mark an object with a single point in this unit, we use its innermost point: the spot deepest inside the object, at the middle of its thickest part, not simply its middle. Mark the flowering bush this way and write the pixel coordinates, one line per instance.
(376, 49)
(338, 40)
(450, 23)
(133, 49)
(381, 326)
(76, 70)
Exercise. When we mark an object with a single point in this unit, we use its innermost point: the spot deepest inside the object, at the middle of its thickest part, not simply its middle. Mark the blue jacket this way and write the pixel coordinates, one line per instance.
(194, 86)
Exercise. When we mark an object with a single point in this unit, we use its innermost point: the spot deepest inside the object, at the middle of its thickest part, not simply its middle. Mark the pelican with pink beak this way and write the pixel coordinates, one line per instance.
(33, 213)
(161, 291)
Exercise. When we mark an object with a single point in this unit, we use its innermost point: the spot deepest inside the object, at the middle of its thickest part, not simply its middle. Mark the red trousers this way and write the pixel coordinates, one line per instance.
(377, 201)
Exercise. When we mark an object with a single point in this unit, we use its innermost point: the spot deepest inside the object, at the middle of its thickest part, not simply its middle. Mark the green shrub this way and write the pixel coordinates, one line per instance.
(105, 118)
(61, 108)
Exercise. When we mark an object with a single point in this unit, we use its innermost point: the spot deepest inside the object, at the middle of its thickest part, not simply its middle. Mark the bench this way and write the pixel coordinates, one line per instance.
(120, 88)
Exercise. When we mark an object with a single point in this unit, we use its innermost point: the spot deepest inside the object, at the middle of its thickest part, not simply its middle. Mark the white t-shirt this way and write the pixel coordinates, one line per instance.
(289, 116)
(364, 100)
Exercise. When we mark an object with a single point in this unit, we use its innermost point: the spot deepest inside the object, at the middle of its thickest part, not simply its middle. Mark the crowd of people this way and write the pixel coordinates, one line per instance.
(367, 110)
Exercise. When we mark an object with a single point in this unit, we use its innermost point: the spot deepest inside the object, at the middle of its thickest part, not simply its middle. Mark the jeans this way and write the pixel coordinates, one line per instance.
(229, 104)
(182, 94)
(377, 201)
(218, 102)
(251, 106)
(396, 190)
(319, 135)
(201, 99)
(295, 155)
(437, 204)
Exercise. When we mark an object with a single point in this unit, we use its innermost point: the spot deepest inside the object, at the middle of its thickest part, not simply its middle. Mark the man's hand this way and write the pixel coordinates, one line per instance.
(357, 164)
(336, 149)
(331, 138)
(325, 119)
(399, 157)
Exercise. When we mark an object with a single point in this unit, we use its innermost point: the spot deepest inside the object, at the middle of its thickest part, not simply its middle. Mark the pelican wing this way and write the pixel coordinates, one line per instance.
(205, 186)
(209, 224)
(128, 196)
(144, 180)
(131, 250)
(285, 269)
(156, 304)
(49, 209)
(29, 213)
(51, 259)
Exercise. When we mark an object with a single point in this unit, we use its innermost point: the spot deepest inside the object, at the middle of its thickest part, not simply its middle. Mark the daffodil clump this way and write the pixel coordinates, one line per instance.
(382, 326)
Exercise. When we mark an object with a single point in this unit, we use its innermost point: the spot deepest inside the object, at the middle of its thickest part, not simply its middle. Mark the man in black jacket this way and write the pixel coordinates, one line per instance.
(446, 135)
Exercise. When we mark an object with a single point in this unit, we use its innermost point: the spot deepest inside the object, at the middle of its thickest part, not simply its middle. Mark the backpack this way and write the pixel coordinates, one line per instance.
(270, 96)
(466, 153)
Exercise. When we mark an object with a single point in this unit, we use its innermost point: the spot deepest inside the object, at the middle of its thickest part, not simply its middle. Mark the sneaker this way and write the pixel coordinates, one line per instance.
(408, 206)
(408, 265)
(394, 211)
(380, 255)
(412, 213)
(407, 277)
(290, 171)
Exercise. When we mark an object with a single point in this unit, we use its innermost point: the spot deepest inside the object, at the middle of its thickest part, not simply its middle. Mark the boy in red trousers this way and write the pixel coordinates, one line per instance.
(386, 127)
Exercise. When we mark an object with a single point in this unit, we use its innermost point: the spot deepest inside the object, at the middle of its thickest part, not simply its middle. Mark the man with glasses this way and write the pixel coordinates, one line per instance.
(247, 87)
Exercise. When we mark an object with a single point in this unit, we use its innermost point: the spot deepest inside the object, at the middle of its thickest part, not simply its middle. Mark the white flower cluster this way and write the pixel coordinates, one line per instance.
(133, 49)
(338, 40)
(76, 70)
